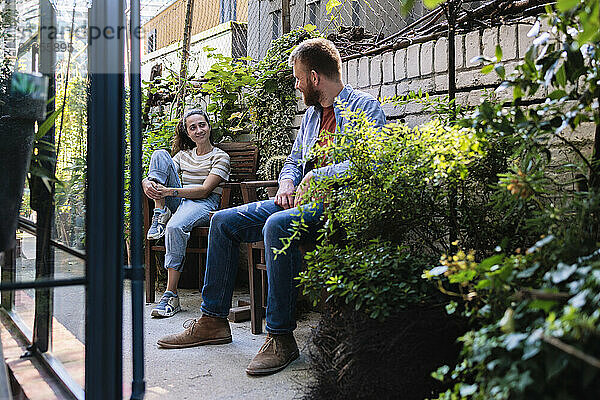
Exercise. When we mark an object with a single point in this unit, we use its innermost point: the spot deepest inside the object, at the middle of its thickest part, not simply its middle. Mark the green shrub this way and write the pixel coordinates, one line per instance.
(227, 81)
(535, 312)
(389, 215)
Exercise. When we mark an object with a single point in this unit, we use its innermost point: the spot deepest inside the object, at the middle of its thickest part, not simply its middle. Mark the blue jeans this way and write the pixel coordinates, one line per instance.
(187, 213)
(263, 220)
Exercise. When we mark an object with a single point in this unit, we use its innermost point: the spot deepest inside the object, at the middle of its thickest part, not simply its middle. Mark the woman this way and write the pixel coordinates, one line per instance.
(181, 207)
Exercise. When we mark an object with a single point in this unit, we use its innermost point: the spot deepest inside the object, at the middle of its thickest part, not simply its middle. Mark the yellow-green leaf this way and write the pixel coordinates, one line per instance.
(331, 4)
(432, 3)
(565, 5)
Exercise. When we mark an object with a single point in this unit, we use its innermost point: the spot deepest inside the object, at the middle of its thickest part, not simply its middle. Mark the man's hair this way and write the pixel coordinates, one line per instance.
(319, 55)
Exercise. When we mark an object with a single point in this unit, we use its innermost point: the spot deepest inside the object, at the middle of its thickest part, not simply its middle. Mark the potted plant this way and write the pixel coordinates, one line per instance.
(23, 98)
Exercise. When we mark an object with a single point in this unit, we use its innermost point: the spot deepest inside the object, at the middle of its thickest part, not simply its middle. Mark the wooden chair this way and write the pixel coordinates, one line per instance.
(257, 269)
(243, 161)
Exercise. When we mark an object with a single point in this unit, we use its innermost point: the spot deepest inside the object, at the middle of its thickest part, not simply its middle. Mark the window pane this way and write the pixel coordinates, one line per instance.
(68, 331)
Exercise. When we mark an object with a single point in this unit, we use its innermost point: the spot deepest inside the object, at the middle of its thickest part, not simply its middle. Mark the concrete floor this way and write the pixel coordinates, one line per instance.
(211, 372)
(206, 372)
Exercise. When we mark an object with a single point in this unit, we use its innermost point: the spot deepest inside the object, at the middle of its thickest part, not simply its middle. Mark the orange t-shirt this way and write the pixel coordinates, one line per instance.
(328, 126)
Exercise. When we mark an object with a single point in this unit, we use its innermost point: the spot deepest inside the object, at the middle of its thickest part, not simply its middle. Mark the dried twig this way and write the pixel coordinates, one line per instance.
(537, 294)
(574, 351)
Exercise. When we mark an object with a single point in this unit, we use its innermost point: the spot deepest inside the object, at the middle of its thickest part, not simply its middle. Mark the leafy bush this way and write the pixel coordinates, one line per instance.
(389, 215)
(535, 312)
(228, 79)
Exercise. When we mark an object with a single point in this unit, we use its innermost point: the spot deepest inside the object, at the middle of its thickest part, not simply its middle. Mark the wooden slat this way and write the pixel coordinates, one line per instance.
(239, 314)
(261, 266)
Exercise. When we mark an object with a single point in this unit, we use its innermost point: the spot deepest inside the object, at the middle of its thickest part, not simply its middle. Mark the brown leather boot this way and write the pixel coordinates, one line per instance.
(198, 332)
(274, 355)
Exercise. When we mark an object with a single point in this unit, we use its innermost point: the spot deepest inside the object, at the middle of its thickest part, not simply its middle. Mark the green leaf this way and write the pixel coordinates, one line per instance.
(331, 5)
(517, 93)
(432, 3)
(500, 71)
(47, 124)
(406, 6)
(463, 276)
(545, 305)
(557, 94)
(483, 284)
(498, 53)
(487, 69)
(565, 5)
(489, 262)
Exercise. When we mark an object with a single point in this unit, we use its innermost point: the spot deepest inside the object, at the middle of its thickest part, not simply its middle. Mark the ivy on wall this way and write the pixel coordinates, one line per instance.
(272, 101)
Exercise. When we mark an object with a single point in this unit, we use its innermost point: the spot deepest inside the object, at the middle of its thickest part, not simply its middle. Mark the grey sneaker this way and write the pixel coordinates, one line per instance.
(167, 306)
(159, 223)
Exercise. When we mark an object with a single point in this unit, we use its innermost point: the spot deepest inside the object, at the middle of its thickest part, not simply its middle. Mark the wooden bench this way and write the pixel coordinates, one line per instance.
(243, 161)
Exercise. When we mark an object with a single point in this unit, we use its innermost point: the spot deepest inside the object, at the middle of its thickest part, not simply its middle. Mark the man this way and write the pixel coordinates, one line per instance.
(317, 68)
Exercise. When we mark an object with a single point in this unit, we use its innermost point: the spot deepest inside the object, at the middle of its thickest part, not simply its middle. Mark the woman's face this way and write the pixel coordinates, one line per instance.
(197, 129)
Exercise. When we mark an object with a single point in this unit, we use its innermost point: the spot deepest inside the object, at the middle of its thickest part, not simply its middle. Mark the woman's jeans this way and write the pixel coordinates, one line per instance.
(187, 213)
(254, 222)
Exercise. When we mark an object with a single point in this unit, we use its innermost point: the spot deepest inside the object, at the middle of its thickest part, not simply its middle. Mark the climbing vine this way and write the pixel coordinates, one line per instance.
(273, 101)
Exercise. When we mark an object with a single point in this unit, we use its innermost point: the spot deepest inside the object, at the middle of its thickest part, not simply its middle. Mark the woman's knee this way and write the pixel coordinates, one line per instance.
(174, 226)
(159, 154)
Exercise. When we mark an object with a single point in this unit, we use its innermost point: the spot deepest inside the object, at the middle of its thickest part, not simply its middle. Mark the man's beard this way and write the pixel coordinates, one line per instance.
(311, 95)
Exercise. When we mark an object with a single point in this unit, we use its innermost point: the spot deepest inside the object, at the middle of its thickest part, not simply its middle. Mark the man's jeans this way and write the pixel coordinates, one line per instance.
(263, 220)
(187, 213)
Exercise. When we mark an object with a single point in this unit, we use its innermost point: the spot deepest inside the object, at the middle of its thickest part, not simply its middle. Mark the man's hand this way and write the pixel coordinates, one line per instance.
(153, 190)
(285, 194)
(302, 188)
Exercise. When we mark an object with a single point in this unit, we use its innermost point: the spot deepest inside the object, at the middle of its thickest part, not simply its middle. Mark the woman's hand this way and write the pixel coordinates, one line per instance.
(153, 189)
(163, 190)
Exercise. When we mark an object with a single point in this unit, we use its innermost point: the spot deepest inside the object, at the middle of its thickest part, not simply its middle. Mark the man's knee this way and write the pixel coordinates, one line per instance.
(276, 225)
(222, 219)
(174, 228)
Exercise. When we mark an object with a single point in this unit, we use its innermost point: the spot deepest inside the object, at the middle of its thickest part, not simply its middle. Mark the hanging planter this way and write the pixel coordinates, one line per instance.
(22, 105)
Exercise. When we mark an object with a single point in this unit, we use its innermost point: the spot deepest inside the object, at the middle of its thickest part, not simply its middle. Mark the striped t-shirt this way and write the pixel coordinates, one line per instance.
(194, 169)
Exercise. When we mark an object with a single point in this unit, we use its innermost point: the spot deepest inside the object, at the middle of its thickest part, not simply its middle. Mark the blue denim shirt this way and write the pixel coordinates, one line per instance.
(295, 164)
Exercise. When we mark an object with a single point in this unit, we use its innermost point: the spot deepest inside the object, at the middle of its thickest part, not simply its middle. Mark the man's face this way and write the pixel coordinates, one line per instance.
(304, 83)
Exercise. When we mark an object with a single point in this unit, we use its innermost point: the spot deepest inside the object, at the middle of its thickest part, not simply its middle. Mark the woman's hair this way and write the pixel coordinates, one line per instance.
(181, 140)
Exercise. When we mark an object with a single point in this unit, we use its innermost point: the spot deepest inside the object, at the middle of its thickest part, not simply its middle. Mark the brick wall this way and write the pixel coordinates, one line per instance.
(425, 66)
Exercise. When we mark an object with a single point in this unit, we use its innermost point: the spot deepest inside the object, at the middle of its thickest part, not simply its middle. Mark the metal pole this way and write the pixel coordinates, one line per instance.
(452, 202)
(104, 197)
(285, 16)
(9, 272)
(138, 386)
(451, 14)
(44, 256)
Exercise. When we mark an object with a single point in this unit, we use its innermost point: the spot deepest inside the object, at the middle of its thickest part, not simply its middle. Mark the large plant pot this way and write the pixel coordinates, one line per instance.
(23, 105)
(355, 357)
